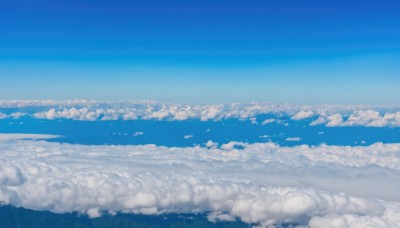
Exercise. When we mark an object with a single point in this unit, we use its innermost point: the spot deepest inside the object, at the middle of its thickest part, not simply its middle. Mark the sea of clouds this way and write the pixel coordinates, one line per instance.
(261, 184)
(329, 115)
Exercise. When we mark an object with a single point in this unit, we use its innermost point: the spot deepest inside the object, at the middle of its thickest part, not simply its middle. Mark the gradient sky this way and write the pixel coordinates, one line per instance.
(208, 51)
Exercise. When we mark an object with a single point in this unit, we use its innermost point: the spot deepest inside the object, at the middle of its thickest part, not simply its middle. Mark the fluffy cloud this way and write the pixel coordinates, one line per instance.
(368, 118)
(210, 143)
(302, 115)
(262, 184)
(329, 115)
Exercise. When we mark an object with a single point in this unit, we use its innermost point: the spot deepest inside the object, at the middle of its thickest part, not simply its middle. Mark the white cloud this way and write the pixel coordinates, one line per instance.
(331, 115)
(17, 115)
(302, 115)
(188, 136)
(264, 136)
(367, 118)
(267, 121)
(253, 120)
(13, 136)
(261, 183)
(334, 120)
(293, 139)
(320, 120)
(2, 116)
(212, 144)
(138, 133)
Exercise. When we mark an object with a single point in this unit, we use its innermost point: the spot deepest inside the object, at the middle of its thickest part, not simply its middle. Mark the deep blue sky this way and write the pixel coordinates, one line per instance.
(201, 51)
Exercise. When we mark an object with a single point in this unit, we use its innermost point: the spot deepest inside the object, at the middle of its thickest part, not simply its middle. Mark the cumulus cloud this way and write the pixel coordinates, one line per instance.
(367, 118)
(302, 115)
(210, 143)
(262, 184)
(358, 115)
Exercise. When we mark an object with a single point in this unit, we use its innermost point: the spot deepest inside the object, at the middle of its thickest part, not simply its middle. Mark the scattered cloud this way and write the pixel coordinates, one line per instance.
(253, 120)
(264, 136)
(330, 115)
(302, 115)
(367, 118)
(138, 133)
(294, 139)
(268, 121)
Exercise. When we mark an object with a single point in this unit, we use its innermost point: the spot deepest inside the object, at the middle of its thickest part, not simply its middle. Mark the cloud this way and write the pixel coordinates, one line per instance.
(212, 144)
(17, 115)
(253, 120)
(188, 136)
(138, 133)
(26, 136)
(267, 121)
(293, 139)
(264, 136)
(261, 183)
(302, 115)
(367, 118)
(331, 115)
(2, 116)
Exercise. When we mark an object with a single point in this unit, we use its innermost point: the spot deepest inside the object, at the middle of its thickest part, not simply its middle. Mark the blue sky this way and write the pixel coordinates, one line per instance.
(201, 51)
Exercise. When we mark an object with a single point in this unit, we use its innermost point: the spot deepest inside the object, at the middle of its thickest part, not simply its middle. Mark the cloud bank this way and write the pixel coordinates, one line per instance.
(26, 136)
(262, 184)
(330, 115)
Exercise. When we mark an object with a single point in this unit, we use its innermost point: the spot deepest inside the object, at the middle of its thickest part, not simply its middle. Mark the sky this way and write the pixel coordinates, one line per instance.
(209, 51)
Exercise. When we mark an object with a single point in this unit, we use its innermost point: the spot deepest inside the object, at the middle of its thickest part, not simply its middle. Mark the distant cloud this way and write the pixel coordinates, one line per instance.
(17, 115)
(330, 115)
(138, 133)
(13, 136)
(3, 116)
(294, 139)
(302, 115)
(267, 121)
(367, 118)
(264, 136)
(253, 120)
(188, 136)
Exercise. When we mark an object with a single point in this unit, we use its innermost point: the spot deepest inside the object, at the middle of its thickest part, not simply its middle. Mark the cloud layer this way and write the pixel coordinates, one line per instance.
(262, 184)
(330, 115)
